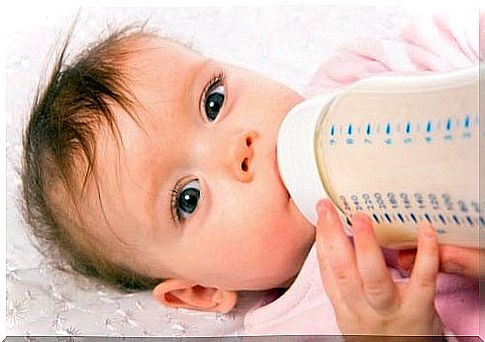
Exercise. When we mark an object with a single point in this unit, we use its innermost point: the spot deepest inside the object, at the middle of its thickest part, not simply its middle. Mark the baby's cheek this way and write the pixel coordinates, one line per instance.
(283, 250)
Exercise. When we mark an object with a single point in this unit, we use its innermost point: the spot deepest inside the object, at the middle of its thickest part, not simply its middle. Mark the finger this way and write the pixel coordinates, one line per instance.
(325, 270)
(423, 278)
(339, 255)
(380, 291)
(465, 261)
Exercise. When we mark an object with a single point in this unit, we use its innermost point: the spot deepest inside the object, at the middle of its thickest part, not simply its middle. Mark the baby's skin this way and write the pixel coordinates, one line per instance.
(192, 194)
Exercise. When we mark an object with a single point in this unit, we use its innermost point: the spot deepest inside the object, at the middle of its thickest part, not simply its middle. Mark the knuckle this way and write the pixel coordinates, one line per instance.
(446, 254)
(323, 267)
(426, 281)
(342, 276)
(374, 289)
(342, 273)
(329, 247)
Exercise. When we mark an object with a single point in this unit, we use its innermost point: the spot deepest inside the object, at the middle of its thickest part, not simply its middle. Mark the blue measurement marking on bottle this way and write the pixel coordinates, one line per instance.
(428, 127)
(388, 141)
(448, 136)
(413, 217)
(469, 219)
(348, 221)
(427, 217)
(442, 218)
(456, 220)
(400, 217)
(408, 139)
(452, 127)
(375, 218)
(350, 140)
(448, 124)
(387, 217)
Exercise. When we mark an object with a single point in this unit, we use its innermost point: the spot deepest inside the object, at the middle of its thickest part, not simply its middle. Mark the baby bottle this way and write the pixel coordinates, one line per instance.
(402, 149)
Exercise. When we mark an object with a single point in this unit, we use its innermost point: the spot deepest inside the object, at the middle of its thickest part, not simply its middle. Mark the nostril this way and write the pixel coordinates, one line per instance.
(244, 165)
(248, 141)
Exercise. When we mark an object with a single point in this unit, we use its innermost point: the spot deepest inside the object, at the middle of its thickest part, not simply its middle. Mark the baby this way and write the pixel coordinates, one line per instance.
(152, 164)
(153, 167)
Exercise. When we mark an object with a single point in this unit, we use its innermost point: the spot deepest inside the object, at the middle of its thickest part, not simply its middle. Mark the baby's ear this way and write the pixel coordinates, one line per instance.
(179, 293)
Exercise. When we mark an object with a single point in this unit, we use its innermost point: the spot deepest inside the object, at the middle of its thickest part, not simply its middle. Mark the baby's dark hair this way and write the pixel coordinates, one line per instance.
(65, 116)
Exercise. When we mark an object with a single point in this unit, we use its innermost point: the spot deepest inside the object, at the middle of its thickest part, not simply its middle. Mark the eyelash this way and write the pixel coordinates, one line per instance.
(215, 80)
(174, 199)
(173, 202)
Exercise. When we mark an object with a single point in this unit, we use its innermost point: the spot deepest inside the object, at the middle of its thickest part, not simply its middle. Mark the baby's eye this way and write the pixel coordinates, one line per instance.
(188, 199)
(214, 101)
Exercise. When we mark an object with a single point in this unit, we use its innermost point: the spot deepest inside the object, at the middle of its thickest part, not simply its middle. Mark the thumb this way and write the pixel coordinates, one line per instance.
(464, 261)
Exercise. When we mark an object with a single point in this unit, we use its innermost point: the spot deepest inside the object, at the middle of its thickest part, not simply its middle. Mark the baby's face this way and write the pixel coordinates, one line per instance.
(195, 192)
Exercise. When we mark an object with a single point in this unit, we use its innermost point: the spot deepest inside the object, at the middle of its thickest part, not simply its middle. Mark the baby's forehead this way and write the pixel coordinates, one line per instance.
(160, 69)
(157, 44)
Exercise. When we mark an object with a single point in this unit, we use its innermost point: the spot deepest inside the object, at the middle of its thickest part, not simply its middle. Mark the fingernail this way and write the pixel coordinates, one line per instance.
(322, 208)
(450, 267)
(359, 220)
(427, 230)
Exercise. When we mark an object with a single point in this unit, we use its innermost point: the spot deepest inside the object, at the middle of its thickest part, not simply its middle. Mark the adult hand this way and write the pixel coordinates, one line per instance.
(453, 259)
(365, 298)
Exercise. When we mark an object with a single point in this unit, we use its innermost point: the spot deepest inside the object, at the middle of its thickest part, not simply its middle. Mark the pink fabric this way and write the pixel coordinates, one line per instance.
(441, 42)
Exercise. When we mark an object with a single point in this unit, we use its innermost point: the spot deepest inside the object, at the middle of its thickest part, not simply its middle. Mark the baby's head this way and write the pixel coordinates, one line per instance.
(151, 166)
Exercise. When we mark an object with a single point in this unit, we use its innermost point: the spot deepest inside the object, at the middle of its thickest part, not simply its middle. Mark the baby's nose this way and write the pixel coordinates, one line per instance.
(241, 156)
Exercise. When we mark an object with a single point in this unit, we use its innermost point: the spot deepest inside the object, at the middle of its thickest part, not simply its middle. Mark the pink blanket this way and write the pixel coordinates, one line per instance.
(441, 42)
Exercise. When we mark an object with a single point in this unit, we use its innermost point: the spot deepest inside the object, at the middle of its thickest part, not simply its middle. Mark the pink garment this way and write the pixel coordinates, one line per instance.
(441, 43)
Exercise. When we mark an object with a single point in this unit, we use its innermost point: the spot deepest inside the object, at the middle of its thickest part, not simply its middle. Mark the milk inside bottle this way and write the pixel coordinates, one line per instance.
(403, 149)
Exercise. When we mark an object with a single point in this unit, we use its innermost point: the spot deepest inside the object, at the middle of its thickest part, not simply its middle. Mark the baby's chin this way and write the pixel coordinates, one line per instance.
(287, 283)
(278, 285)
